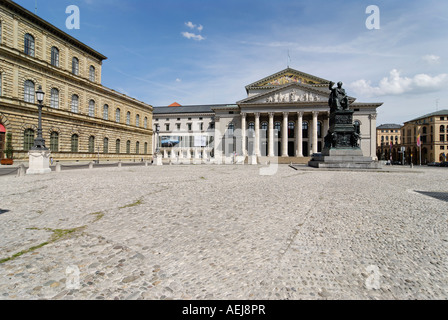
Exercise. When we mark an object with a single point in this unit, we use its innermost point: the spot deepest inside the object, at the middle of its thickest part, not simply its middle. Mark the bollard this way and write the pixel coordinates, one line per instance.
(90, 165)
(58, 167)
(21, 170)
(119, 164)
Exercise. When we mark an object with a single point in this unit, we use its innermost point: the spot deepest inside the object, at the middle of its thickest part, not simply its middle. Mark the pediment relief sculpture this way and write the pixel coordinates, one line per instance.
(293, 96)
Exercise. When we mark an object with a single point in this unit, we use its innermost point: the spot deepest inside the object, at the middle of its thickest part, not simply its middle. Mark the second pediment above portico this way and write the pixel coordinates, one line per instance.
(293, 93)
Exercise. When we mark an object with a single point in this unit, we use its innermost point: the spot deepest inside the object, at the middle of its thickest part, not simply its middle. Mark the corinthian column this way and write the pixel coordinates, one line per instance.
(271, 135)
(299, 136)
(243, 134)
(285, 135)
(372, 119)
(315, 115)
(257, 134)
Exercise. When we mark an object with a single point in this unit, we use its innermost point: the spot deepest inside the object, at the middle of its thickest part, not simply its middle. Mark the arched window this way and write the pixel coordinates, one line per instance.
(278, 129)
(319, 129)
(106, 112)
(117, 146)
(1, 84)
(146, 147)
(137, 120)
(54, 98)
(128, 147)
(75, 66)
(442, 129)
(106, 145)
(55, 56)
(264, 126)
(231, 130)
(29, 91)
(91, 108)
(54, 141)
(29, 45)
(424, 130)
(251, 126)
(137, 147)
(291, 129)
(91, 144)
(128, 118)
(75, 143)
(145, 123)
(92, 73)
(305, 129)
(28, 139)
(75, 104)
(117, 115)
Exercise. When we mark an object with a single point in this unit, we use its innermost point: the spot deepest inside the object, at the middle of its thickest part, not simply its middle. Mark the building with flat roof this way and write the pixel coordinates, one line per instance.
(388, 137)
(426, 138)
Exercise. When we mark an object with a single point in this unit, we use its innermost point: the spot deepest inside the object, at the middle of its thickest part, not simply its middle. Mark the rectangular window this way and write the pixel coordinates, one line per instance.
(167, 127)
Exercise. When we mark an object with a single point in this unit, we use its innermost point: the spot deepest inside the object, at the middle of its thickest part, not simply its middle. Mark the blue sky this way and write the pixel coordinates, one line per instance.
(207, 51)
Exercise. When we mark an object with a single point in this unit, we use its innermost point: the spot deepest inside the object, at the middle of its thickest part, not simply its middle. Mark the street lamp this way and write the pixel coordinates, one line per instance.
(157, 140)
(39, 142)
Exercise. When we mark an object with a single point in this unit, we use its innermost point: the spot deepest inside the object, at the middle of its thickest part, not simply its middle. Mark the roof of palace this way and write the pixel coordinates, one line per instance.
(50, 28)
(433, 114)
(189, 109)
(389, 126)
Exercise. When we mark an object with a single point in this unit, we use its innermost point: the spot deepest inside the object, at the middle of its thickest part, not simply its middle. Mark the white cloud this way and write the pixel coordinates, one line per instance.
(178, 80)
(193, 36)
(200, 28)
(395, 84)
(190, 25)
(431, 59)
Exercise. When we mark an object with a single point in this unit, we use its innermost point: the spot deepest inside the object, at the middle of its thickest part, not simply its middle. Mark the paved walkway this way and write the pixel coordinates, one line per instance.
(224, 232)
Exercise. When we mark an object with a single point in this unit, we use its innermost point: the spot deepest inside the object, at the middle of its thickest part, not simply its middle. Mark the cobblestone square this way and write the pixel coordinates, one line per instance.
(224, 232)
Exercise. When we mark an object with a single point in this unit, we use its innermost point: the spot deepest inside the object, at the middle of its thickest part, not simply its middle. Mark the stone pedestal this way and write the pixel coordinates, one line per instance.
(343, 158)
(342, 145)
(253, 160)
(158, 160)
(39, 162)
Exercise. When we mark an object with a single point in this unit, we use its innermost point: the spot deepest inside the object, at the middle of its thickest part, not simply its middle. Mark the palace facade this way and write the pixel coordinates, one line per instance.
(81, 119)
(388, 139)
(285, 115)
(432, 131)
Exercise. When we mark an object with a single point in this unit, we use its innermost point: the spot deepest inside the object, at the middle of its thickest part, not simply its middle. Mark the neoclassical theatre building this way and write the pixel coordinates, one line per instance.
(285, 115)
(82, 119)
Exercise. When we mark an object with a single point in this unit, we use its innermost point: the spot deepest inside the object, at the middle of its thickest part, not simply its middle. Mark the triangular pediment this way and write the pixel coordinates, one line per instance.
(285, 77)
(292, 93)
